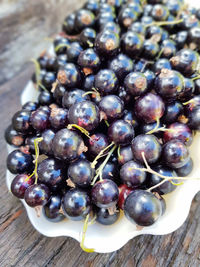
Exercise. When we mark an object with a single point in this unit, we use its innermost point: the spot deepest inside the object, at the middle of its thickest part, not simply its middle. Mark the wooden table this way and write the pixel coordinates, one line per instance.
(21, 245)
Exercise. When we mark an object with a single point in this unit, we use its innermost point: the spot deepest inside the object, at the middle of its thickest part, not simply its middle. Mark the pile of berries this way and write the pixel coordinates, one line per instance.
(119, 101)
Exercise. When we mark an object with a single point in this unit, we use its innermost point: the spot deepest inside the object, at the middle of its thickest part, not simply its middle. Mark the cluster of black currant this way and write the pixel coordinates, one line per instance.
(117, 108)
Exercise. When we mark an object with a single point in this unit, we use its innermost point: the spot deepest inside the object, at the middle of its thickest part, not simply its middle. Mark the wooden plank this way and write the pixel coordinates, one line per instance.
(24, 26)
(21, 245)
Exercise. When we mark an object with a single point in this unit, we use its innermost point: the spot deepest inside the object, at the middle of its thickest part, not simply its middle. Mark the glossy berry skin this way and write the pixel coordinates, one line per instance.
(58, 118)
(136, 83)
(181, 38)
(175, 154)
(107, 43)
(160, 64)
(12, 137)
(87, 37)
(124, 191)
(76, 204)
(137, 27)
(131, 43)
(143, 208)
(19, 162)
(186, 61)
(189, 89)
(169, 83)
(194, 118)
(92, 5)
(59, 93)
(145, 128)
(85, 114)
(104, 18)
(173, 6)
(68, 25)
(106, 81)
(89, 59)
(145, 20)
(29, 143)
(21, 121)
(46, 144)
(105, 194)
(51, 210)
(40, 120)
(178, 131)
(73, 96)
(125, 155)
(74, 51)
(121, 65)
(127, 16)
(193, 103)
(159, 12)
(19, 185)
(140, 65)
(194, 35)
(111, 26)
(124, 95)
(69, 75)
(168, 48)
(148, 144)
(51, 172)
(64, 43)
(172, 112)
(150, 76)
(130, 176)
(81, 173)
(88, 83)
(97, 142)
(166, 187)
(103, 216)
(61, 61)
(45, 98)
(37, 195)
(186, 169)
(150, 49)
(121, 132)
(149, 108)
(112, 107)
(84, 18)
(67, 145)
(31, 106)
(48, 80)
(110, 171)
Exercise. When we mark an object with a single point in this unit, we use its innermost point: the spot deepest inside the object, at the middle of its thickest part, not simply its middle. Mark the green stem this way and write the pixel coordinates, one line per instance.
(93, 164)
(85, 226)
(100, 169)
(164, 23)
(81, 129)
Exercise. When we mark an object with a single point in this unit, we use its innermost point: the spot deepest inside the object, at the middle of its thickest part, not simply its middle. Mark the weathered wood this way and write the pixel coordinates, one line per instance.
(21, 245)
(23, 28)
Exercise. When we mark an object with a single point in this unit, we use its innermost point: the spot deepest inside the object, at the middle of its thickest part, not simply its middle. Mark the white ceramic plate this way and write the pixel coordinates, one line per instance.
(106, 239)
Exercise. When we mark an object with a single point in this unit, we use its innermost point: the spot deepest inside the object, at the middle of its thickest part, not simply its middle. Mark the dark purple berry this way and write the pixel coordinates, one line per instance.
(175, 154)
(37, 195)
(121, 132)
(142, 207)
(76, 204)
(19, 162)
(20, 183)
(149, 145)
(105, 194)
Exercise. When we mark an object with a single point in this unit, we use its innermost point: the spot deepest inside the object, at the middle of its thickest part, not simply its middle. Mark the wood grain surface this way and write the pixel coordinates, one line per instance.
(21, 245)
(25, 22)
